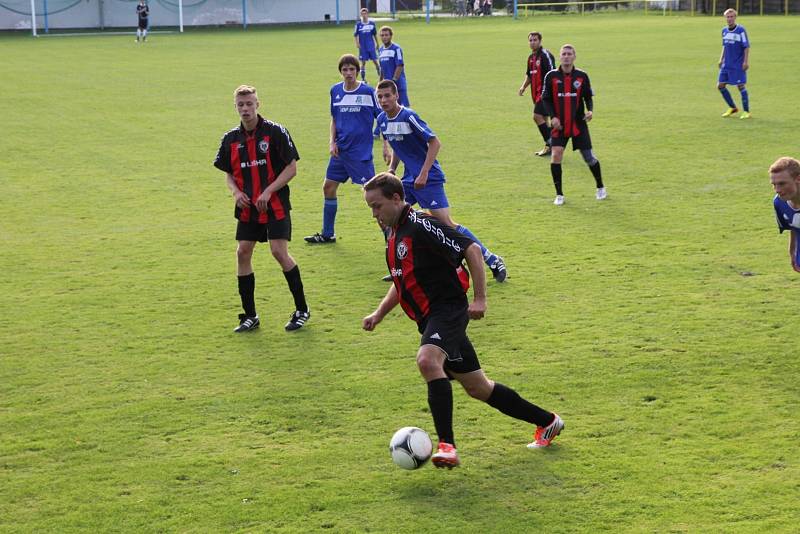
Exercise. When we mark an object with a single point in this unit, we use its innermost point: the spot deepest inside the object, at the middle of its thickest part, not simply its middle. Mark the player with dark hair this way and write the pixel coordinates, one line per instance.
(425, 259)
(415, 145)
(142, 12)
(393, 66)
(259, 158)
(540, 62)
(733, 64)
(784, 175)
(353, 112)
(567, 100)
(366, 37)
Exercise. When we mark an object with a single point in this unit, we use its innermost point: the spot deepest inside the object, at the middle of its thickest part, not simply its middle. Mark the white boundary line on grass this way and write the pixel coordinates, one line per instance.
(88, 34)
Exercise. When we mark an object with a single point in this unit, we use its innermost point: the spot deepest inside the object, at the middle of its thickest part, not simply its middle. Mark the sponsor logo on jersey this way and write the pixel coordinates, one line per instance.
(567, 94)
(396, 273)
(253, 163)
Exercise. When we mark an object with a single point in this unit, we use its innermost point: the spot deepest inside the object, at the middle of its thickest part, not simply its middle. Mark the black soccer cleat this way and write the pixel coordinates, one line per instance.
(498, 268)
(319, 238)
(246, 324)
(297, 320)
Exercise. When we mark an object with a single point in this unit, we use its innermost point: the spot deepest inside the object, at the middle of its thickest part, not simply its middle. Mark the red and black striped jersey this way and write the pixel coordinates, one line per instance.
(564, 96)
(256, 159)
(425, 260)
(539, 64)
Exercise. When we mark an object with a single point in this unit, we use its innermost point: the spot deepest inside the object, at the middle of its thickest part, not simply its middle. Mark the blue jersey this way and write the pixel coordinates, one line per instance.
(408, 135)
(365, 32)
(353, 115)
(734, 43)
(788, 218)
(391, 57)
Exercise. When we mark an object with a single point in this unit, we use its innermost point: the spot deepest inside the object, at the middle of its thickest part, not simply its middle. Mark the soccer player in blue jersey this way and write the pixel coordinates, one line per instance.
(393, 66)
(353, 112)
(366, 43)
(784, 175)
(733, 64)
(415, 145)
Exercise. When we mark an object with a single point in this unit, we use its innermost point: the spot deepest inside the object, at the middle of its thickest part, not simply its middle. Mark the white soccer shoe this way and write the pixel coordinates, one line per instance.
(601, 193)
(559, 200)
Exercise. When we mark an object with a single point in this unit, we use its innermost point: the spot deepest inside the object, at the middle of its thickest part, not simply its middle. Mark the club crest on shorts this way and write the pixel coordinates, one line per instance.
(402, 250)
(263, 146)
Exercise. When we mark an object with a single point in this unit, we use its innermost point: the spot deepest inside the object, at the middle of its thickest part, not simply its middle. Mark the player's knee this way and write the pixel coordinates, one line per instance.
(329, 189)
(427, 362)
(588, 157)
(741, 87)
(481, 390)
(721, 86)
(244, 252)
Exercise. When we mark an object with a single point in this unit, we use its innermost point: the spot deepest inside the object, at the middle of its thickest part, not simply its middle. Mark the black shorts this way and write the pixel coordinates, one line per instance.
(143, 24)
(538, 109)
(255, 231)
(447, 329)
(582, 141)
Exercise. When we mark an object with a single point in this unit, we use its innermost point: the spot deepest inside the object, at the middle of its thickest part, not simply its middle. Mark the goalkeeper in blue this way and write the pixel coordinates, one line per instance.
(414, 144)
(353, 112)
(733, 64)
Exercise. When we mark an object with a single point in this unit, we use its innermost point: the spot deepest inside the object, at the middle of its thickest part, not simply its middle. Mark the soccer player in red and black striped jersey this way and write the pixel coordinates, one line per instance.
(259, 158)
(540, 62)
(567, 98)
(425, 259)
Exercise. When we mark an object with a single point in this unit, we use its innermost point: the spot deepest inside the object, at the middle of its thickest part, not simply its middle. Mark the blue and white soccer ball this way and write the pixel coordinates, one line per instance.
(410, 447)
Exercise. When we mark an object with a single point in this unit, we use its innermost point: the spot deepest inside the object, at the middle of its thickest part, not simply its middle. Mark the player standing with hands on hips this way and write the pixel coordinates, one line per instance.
(567, 99)
(425, 258)
(259, 158)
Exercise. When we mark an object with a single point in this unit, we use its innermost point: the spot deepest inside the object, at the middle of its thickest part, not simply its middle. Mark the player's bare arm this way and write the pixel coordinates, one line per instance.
(393, 159)
(746, 63)
(334, 148)
(238, 195)
(397, 72)
(433, 150)
(524, 85)
(477, 308)
(283, 178)
(387, 304)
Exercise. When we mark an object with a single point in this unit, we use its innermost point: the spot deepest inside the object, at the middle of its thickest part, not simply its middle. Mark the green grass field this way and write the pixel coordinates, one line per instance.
(660, 323)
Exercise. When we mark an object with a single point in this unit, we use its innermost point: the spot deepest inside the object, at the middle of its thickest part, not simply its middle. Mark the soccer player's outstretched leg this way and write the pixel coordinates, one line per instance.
(425, 258)
(353, 112)
(259, 158)
(415, 144)
(733, 64)
(570, 112)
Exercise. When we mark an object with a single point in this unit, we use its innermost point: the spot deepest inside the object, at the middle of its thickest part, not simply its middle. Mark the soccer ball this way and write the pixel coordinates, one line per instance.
(410, 447)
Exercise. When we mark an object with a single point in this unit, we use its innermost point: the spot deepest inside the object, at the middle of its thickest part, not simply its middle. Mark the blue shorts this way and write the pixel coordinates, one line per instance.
(369, 53)
(402, 97)
(340, 169)
(430, 197)
(732, 76)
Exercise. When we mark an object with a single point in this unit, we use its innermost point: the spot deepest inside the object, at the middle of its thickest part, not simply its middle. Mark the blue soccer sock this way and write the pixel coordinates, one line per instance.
(727, 96)
(488, 257)
(745, 99)
(329, 216)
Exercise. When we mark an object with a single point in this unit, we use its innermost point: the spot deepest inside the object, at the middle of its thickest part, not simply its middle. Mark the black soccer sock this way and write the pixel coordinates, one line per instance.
(247, 290)
(544, 129)
(510, 403)
(555, 170)
(598, 177)
(440, 401)
(296, 287)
